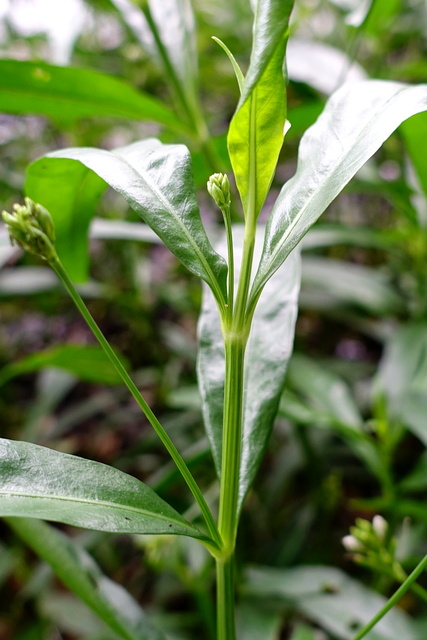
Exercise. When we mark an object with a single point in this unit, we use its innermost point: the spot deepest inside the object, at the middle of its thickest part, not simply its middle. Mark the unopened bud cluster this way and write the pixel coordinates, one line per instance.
(31, 227)
(370, 546)
(219, 188)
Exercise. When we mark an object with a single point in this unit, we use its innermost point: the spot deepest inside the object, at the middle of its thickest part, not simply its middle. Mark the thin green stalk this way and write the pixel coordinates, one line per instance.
(164, 437)
(226, 627)
(394, 599)
(230, 251)
(232, 439)
(190, 108)
(229, 492)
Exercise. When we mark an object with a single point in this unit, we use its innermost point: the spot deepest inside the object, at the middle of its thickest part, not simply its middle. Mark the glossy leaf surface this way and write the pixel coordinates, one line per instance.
(356, 121)
(267, 355)
(40, 483)
(79, 572)
(257, 128)
(156, 181)
(70, 192)
(36, 87)
(86, 362)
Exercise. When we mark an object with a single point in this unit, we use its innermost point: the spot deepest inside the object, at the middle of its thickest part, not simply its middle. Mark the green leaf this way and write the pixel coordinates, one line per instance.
(267, 355)
(402, 378)
(303, 632)
(79, 572)
(156, 181)
(326, 391)
(70, 93)
(70, 192)
(237, 71)
(414, 132)
(356, 121)
(258, 622)
(36, 482)
(328, 284)
(175, 25)
(331, 599)
(256, 131)
(86, 362)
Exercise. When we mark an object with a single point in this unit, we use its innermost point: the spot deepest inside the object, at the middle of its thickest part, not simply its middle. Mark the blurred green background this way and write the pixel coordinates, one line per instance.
(350, 440)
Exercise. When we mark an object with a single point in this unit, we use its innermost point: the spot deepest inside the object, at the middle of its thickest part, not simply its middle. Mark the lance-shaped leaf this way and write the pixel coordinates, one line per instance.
(69, 93)
(86, 362)
(257, 128)
(267, 354)
(79, 572)
(356, 121)
(40, 483)
(156, 181)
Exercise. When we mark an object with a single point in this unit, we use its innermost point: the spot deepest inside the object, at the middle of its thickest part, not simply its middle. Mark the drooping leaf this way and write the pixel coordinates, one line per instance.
(267, 355)
(356, 121)
(86, 362)
(70, 93)
(337, 603)
(70, 192)
(256, 131)
(326, 401)
(79, 572)
(156, 181)
(166, 30)
(320, 65)
(414, 131)
(330, 284)
(175, 24)
(327, 391)
(402, 378)
(36, 482)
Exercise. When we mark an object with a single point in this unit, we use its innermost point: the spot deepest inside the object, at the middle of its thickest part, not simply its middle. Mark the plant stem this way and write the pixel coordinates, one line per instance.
(225, 599)
(232, 439)
(164, 437)
(394, 599)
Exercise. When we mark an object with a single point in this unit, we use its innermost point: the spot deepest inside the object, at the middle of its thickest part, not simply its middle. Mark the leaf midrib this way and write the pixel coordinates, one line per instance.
(96, 503)
(168, 205)
(264, 274)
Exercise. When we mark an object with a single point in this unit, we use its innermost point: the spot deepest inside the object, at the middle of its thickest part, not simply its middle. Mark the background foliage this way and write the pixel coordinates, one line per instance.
(351, 435)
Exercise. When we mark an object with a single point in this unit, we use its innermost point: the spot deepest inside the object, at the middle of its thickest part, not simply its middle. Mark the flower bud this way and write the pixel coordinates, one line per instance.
(380, 526)
(31, 227)
(352, 544)
(219, 189)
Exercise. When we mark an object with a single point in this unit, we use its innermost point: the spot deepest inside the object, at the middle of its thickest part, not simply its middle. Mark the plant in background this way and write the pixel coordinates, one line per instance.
(247, 320)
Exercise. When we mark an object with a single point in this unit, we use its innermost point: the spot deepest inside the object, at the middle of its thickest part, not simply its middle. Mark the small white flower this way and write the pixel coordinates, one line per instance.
(380, 526)
(352, 544)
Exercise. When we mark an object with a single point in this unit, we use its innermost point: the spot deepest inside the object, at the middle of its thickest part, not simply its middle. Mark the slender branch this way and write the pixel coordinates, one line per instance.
(394, 599)
(159, 429)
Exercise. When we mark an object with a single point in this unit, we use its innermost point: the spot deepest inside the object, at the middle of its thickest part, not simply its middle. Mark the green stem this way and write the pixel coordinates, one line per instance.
(230, 249)
(225, 599)
(164, 437)
(232, 439)
(394, 599)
